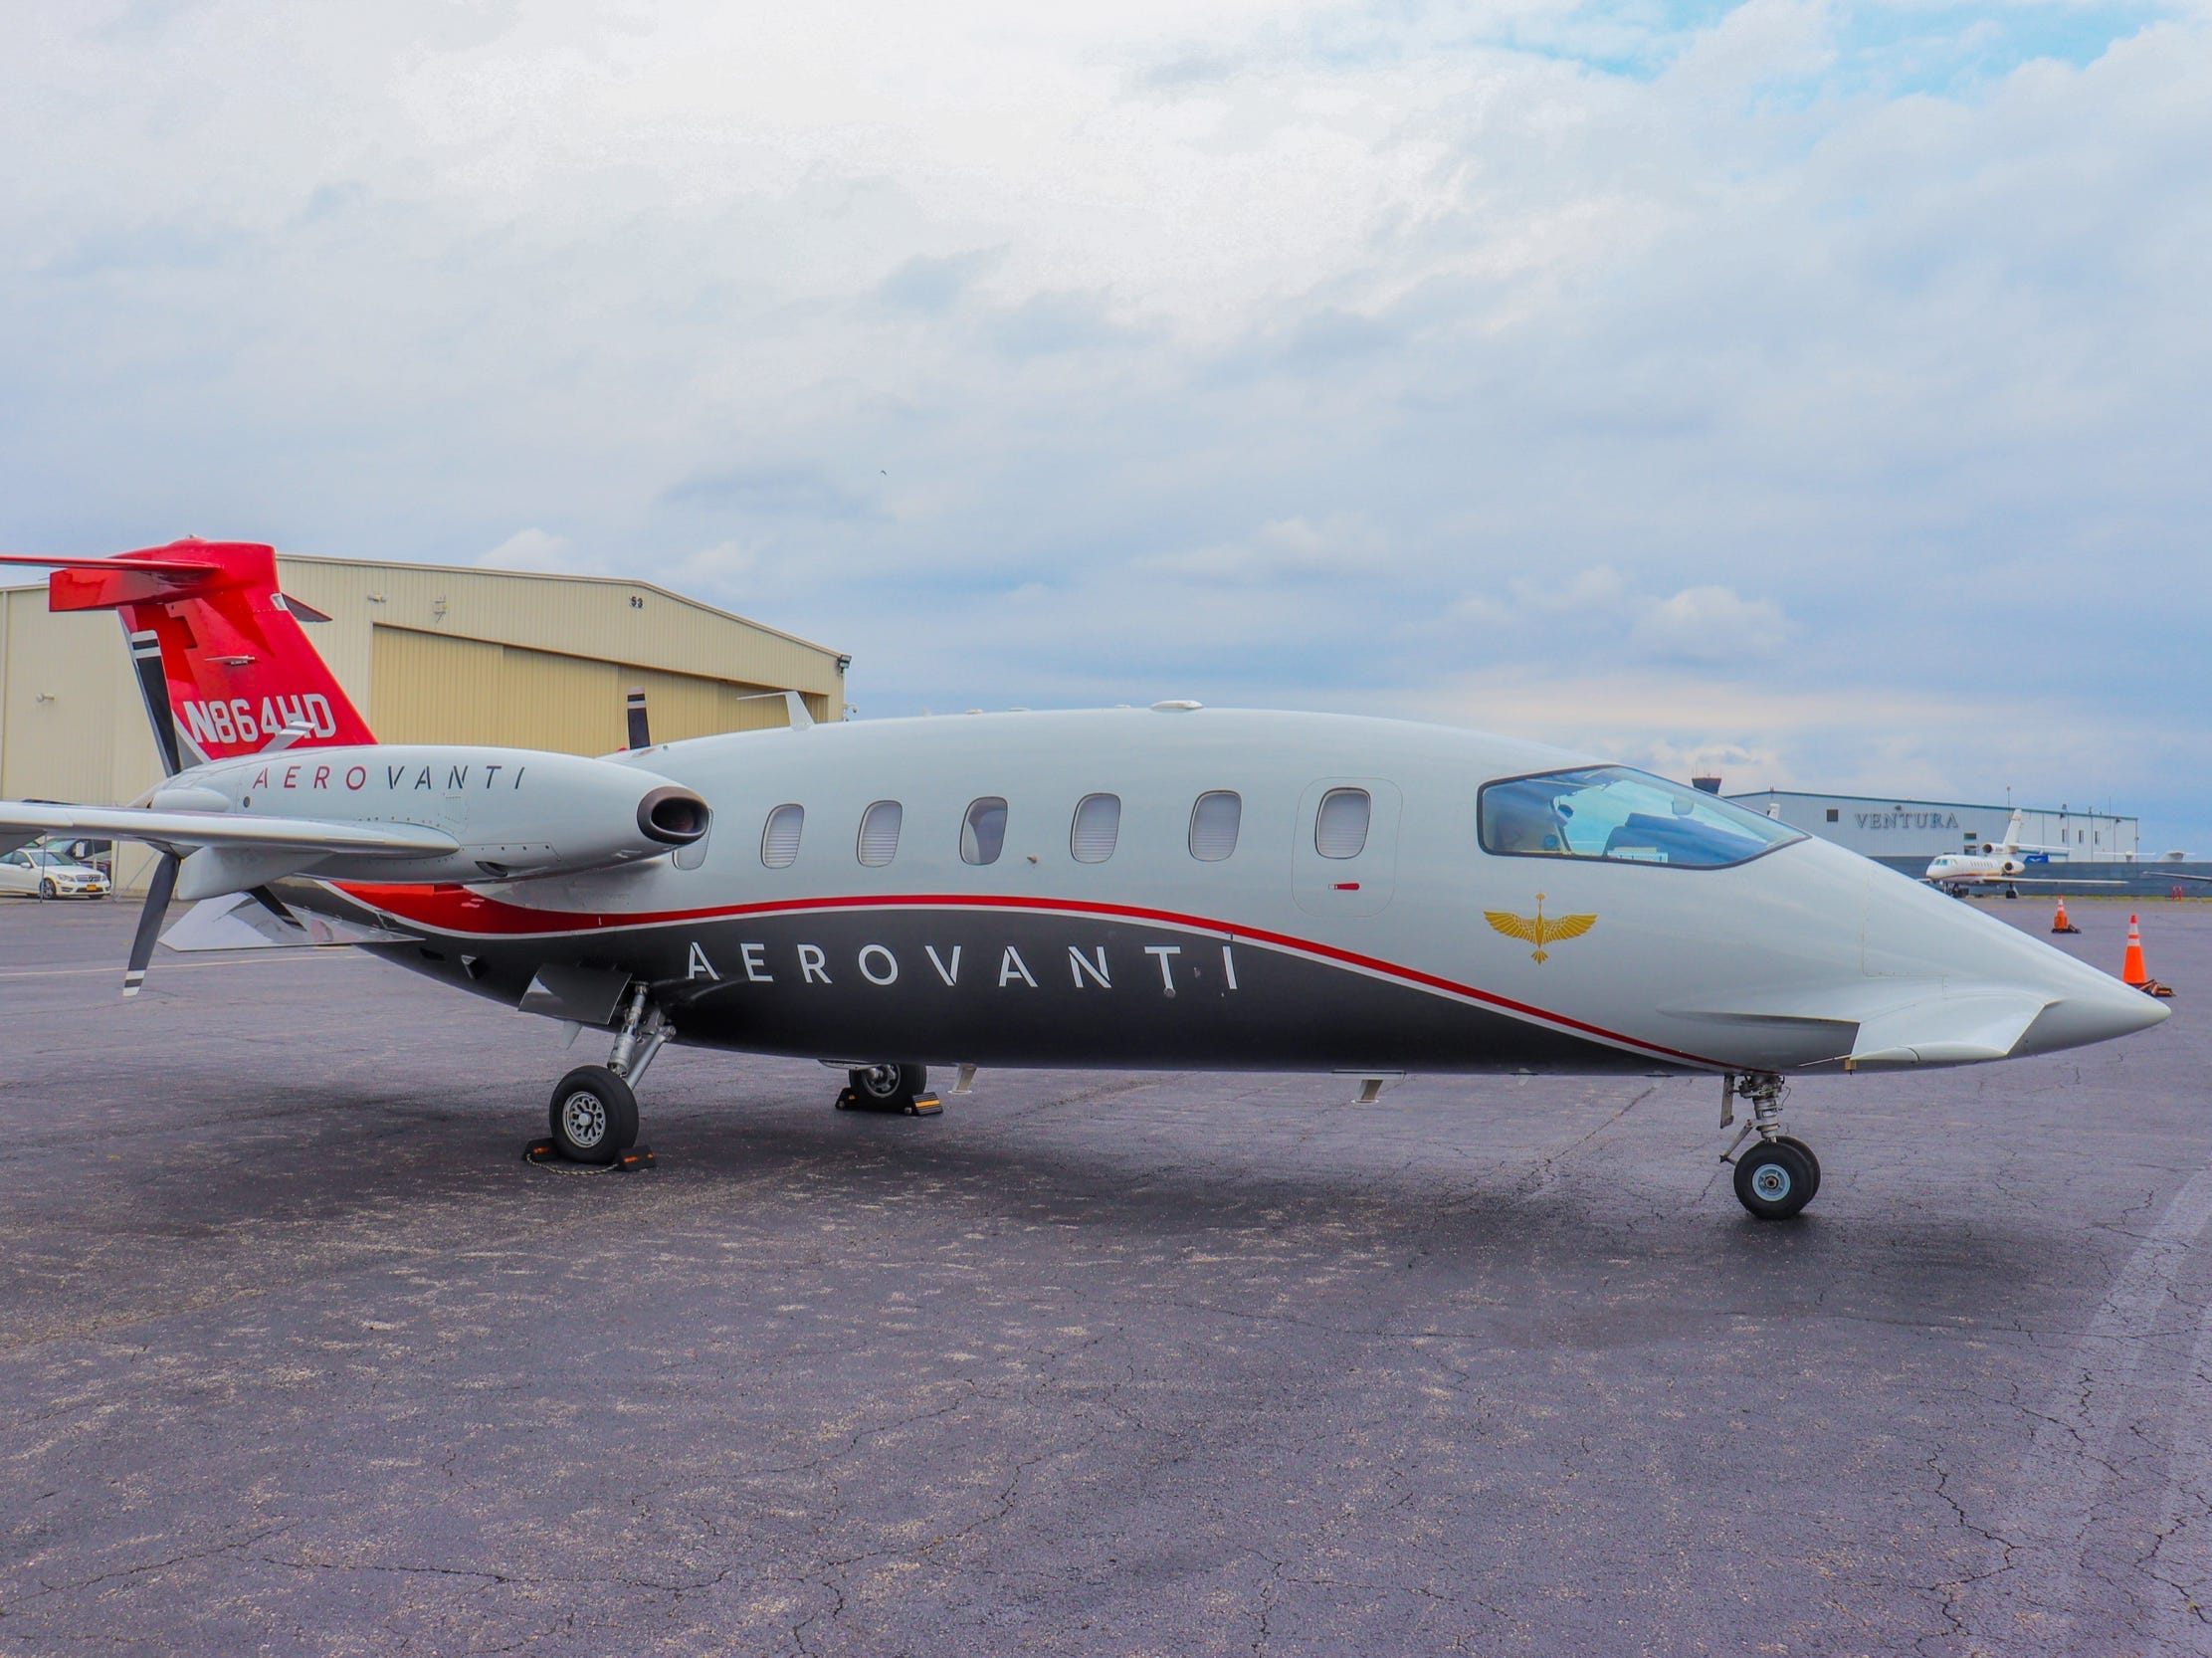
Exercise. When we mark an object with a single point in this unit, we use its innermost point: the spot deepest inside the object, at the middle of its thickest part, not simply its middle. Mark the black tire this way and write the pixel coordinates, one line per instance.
(593, 1116)
(1812, 1160)
(886, 1086)
(1773, 1180)
(46, 889)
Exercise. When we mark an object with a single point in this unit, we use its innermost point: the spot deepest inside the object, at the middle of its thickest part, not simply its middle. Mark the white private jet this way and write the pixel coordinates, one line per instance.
(2005, 866)
(1168, 888)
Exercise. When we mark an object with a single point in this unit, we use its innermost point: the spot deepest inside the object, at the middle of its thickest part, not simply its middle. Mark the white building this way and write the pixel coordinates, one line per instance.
(1881, 826)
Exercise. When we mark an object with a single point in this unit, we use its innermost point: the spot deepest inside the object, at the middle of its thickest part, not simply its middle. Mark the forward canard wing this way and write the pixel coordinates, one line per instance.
(1957, 1029)
(1880, 1024)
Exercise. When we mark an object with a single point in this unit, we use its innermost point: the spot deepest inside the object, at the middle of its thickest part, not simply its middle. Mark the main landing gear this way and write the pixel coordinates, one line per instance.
(900, 1088)
(1779, 1175)
(594, 1110)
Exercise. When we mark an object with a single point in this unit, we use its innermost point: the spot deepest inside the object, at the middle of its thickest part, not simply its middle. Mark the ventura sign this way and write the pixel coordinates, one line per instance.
(1906, 820)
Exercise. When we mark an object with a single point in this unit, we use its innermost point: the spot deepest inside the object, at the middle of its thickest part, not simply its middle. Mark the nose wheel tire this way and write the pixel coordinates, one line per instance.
(1805, 1151)
(1776, 1178)
(593, 1116)
(883, 1086)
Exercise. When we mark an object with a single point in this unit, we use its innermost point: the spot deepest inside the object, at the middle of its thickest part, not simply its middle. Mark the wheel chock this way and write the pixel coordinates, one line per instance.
(921, 1104)
(540, 1152)
(637, 1157)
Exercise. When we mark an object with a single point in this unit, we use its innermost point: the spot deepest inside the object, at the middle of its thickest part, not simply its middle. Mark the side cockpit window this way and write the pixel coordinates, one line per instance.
(1612, 813)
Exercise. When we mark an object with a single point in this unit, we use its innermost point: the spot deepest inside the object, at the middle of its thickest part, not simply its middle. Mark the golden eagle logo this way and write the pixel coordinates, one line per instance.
(1539, 929)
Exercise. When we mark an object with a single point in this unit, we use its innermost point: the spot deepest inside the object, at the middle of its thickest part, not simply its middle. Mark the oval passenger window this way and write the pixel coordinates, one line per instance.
(983, 831)
(878, 832)
(1213, 825)
(1340, 828)
(779, 841)
(1097, 827)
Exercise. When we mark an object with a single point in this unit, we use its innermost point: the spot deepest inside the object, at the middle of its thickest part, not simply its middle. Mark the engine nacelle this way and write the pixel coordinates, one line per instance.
(515, 812)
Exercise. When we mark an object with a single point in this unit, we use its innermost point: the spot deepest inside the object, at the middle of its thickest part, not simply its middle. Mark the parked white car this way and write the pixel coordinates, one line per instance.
(34, 872)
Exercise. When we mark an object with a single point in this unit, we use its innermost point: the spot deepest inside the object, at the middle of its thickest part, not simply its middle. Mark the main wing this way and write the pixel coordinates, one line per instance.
(21, 821)
(216, 852)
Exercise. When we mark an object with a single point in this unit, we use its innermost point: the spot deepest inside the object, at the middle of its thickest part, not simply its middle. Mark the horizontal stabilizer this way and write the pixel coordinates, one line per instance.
(182, 831)
(1946, 1030)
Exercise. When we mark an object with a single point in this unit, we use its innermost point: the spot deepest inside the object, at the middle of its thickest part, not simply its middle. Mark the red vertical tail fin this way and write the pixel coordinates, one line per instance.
(236, 673)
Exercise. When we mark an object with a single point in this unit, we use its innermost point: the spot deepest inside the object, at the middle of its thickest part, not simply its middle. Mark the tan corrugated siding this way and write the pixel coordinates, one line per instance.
(87, 739)
(433, 689)
(568, 616)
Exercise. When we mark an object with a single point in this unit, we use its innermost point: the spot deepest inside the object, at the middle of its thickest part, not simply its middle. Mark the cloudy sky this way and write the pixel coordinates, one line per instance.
(1814, 391)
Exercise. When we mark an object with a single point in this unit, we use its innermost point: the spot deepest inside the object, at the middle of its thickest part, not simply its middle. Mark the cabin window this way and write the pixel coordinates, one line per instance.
(1213, 825)
(779, 841)
(1340, 827)
(1834, 815)
(983, 831)
(1611, 812)
(1097, 827)
(878, 832)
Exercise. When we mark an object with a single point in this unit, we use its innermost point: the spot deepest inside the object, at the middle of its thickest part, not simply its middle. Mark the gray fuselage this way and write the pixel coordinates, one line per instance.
(1402, 956)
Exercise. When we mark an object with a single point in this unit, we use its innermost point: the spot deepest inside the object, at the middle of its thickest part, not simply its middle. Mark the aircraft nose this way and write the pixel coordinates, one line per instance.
(1914, 935)
(2091, 1007)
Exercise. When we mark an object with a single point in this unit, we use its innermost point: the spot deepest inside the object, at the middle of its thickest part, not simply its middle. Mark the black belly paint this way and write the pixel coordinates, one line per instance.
(991, 987)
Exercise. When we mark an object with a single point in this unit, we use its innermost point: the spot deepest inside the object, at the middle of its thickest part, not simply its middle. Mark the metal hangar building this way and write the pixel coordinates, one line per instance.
(1887, 828)
(429, 654)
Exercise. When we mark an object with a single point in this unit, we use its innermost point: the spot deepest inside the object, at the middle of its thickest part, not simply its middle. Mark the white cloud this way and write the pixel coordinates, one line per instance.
(1288, 549)
(533, 549)
(1711, 624)
(1316, 353)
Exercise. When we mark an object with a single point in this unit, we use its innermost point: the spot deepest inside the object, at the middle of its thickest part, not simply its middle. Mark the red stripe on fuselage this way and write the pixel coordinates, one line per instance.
(461, 910)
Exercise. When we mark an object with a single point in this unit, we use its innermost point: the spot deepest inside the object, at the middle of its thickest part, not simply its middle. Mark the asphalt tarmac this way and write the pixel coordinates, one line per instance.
(298, 1357)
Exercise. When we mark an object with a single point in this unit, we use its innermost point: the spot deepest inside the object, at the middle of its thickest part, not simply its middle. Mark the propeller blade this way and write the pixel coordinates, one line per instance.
(275, 905)
(163, 883)
(640, 734)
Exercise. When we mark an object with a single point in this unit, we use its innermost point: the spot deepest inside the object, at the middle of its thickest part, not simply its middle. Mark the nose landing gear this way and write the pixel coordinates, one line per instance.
(593, 1113)
(1779, 1175)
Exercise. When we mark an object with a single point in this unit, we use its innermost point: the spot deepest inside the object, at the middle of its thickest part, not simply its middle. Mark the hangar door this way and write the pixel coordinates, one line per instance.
(439, 688)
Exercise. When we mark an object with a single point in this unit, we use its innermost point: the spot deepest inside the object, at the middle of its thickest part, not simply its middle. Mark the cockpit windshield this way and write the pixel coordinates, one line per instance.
(1609, 811)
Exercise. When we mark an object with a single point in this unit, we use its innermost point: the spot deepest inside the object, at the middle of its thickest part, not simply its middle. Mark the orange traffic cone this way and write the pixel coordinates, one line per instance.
(2059, 922)
(2131, 965)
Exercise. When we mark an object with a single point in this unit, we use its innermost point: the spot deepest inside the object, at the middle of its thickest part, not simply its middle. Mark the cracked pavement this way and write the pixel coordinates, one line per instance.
(298, 1357)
